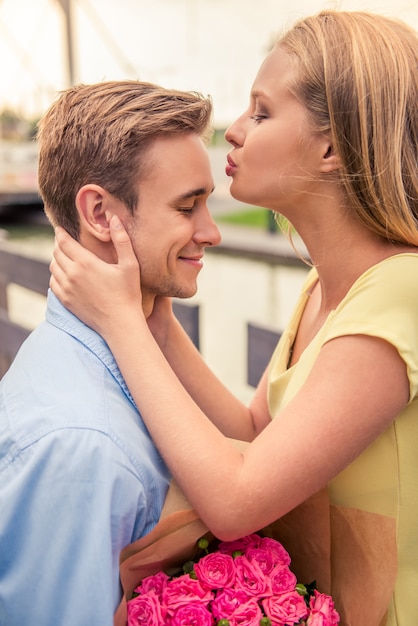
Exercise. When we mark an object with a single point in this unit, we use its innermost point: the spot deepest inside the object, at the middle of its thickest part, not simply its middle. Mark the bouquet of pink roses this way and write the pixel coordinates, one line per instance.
(321, 538)
(246, 582)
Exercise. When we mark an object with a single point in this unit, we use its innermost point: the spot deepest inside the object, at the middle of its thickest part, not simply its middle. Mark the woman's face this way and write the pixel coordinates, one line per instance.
(275, 157)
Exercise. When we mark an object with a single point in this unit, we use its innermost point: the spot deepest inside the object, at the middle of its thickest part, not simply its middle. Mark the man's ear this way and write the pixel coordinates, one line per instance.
(330, 161)
(92, 202)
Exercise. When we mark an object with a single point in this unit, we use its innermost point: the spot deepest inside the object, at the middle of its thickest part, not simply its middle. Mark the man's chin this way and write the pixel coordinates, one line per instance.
(186, 292)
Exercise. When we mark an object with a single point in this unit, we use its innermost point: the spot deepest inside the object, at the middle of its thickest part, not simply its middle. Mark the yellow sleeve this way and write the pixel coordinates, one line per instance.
(383, 303)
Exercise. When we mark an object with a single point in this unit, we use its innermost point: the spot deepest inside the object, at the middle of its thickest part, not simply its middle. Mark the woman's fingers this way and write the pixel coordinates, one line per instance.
(83, 281)
(123, 245)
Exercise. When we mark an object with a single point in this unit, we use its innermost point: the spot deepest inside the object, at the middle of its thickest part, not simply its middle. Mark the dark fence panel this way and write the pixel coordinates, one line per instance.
(261, 342)
(26, 272)
(188, 316)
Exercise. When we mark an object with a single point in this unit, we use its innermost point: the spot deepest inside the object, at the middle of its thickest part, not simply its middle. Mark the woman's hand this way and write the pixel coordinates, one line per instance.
(96, 291)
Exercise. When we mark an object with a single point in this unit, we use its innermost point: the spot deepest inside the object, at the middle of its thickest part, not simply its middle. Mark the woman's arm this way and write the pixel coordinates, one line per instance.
(333, 418)
(230, 415)
(328, 424)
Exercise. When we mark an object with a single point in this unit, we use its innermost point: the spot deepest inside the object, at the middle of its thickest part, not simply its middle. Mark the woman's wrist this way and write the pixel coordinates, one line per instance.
(125, 324)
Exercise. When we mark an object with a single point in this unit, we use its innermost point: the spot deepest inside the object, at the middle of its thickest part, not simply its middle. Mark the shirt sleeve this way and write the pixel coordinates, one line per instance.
(383, 303)
(66, 512)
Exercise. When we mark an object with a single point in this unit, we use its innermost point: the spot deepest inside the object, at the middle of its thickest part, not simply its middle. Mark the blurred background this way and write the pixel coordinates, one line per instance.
(212, 46)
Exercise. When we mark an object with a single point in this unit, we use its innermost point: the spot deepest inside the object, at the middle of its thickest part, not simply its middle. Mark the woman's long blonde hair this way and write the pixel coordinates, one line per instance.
(357, 74)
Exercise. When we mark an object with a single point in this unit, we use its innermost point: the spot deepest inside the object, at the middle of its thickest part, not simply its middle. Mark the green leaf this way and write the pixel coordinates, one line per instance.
(188, 567)
(203, 543)
(301, 589)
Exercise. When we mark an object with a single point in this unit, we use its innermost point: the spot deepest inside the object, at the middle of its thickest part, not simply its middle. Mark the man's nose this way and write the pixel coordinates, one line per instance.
(208, 233)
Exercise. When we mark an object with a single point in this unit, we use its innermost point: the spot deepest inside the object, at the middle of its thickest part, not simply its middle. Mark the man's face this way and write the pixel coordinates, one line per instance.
(172, 224)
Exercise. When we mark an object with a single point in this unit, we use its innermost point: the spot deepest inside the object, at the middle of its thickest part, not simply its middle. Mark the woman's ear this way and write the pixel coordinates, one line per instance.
(330, 161)
(92, 203)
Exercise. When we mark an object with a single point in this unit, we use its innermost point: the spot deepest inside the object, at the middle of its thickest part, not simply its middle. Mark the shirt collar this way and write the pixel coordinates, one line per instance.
(60, 317)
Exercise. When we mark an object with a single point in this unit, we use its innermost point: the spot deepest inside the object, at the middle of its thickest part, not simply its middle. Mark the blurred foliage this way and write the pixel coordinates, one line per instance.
(218, 138)
(255, 217)
(14, 127)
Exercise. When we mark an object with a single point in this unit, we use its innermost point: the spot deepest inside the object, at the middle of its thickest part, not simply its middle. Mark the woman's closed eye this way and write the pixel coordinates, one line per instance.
(258, 117)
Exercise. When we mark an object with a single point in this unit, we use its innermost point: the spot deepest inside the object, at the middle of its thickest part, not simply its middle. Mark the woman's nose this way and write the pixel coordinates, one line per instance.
(235, 134)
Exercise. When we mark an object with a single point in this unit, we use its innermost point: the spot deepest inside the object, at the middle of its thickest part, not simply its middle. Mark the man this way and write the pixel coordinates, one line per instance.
(79, 475)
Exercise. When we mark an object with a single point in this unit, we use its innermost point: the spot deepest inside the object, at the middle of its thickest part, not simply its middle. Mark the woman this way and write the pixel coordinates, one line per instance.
(329, 141)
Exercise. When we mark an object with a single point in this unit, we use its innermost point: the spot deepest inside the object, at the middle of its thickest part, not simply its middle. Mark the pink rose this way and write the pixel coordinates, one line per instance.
(247, 614)
(250, 577)
(155, 583)
(288, 608)
(227, 601)
(268, 555)
(192, 614)
(275, 548)
(145, 610)
(265, 559)
(282, 580)
(322, 611)
(216, 570)
(183, 590)
(240, 545)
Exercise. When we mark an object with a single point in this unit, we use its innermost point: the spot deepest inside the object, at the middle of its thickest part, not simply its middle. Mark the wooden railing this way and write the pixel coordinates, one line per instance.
(33, 274)
(26, 272)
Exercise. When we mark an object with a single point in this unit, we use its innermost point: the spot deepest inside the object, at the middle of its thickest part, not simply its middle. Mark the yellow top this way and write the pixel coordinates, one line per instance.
(372, 506)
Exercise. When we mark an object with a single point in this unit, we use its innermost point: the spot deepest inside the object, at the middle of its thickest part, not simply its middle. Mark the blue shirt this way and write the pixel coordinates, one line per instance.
(79, 477)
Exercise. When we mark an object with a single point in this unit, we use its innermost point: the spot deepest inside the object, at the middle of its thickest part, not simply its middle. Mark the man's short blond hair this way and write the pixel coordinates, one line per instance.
(100, 133)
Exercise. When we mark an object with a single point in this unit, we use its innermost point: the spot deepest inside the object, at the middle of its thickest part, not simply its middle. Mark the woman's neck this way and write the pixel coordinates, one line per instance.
(341, 253)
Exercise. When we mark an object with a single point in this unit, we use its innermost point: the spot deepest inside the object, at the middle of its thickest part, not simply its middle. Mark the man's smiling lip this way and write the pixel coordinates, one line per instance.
(194, 260)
